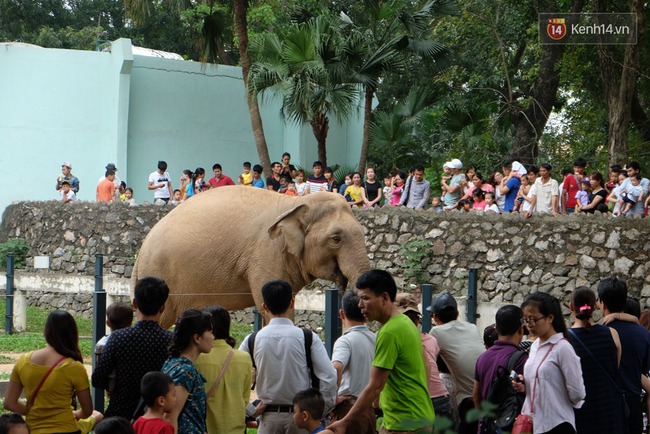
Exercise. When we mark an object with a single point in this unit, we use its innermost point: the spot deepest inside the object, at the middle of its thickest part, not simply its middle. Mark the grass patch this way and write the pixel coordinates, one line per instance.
(33, 339)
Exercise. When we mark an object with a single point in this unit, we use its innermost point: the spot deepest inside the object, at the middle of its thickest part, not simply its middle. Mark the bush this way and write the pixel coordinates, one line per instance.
(17, 246)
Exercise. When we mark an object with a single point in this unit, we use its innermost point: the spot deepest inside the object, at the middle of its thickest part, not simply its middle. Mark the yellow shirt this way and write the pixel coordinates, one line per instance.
(355, 193)
(51, 411)
(227, 405)
(248, 179)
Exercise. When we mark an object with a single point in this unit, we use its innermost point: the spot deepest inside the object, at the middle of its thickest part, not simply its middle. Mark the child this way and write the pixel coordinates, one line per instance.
(256, 179)
(490, 203)
(346, 184)
(436, 204)
(246, 178)
(284, 183)
(13, 423)
(478, 197)
(177, 199)
(128, 197)
(631, 195)
(114, 425)
(122, 191)
(308, 408)
(119, 315)
(302, 188)
(583, 194)
(67, 195)
(464, 205)
(291, 189)
(388, 189)
(159, 395)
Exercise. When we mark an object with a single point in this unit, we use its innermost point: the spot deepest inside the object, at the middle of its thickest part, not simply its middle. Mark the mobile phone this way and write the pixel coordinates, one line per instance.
(515, 377)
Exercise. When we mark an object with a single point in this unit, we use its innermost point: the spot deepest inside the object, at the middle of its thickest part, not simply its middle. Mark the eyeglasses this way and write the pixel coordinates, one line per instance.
(531, 320)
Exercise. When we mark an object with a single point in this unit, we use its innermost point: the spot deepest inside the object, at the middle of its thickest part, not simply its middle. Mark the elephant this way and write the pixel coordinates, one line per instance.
(222, 245)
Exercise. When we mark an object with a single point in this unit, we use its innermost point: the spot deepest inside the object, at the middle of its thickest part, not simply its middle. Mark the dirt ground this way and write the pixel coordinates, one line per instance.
(6, 368)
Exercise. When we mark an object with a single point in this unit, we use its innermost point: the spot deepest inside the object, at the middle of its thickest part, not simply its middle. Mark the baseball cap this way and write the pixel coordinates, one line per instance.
(406, 302)
(66, 164)
(111, 166)
(441, 302)
(455, 164)
(446, 165)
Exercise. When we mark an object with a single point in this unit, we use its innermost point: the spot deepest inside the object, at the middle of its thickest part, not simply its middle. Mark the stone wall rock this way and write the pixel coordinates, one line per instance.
(514, 256)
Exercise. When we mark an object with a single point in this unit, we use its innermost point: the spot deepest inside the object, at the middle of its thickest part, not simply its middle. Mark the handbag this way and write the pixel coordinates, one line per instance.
(617, 387)
(30, 401)
(524, 422)
(223, 371)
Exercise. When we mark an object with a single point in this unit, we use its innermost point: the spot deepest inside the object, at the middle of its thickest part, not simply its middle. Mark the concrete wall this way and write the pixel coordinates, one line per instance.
(92, 108)
(514, 256)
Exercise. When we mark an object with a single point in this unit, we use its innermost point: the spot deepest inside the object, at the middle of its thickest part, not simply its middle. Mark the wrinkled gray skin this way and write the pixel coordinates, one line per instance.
(221, 246)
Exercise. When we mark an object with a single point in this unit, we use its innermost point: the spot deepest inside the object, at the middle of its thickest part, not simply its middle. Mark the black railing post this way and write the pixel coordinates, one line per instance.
(257, 320)
(9, 312)
(99, 323)
(472, 299)
(427, 294)
(333, 326)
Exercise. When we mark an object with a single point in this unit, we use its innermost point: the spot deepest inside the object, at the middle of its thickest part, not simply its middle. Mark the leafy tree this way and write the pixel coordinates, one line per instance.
(304, 67)
(386, 33)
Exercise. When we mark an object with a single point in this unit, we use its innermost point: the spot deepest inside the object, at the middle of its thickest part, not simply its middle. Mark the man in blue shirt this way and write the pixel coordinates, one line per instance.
(511, 188)
(635, 346)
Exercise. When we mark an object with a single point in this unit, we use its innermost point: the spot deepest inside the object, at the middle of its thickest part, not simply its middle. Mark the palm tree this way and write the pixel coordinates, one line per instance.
(394, 134)
(385, 33)
(305, 68)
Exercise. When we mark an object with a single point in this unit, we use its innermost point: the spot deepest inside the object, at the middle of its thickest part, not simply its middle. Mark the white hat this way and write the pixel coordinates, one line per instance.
(446, 165)
(518, 167)
(455, 164)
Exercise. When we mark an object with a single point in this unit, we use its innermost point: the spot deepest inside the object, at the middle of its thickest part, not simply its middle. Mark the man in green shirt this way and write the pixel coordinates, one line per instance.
(398, 375)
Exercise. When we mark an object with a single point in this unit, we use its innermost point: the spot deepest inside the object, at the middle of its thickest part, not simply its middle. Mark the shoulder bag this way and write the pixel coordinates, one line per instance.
(524, 422)
(30, 401)
(223, 371)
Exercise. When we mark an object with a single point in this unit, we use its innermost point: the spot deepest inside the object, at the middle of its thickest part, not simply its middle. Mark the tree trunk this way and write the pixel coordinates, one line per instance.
(620, 86)
(367, 117)
(320, 127)
(530, 122)
(256, 119)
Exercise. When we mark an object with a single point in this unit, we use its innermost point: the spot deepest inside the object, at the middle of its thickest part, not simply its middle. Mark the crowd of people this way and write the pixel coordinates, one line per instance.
(514, 189)
(585, 379)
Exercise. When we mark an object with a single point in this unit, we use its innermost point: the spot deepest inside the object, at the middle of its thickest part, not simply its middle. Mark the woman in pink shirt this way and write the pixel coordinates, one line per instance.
(398, 188)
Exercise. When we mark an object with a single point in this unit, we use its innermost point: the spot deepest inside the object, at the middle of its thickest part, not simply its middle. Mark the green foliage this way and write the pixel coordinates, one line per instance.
(413, 256)
(19, 247)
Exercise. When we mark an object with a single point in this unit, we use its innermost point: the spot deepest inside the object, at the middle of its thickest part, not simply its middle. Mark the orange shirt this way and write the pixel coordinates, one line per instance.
(105, 191)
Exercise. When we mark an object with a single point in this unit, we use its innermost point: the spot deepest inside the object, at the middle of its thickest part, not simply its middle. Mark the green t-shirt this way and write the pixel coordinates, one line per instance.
(405, 398)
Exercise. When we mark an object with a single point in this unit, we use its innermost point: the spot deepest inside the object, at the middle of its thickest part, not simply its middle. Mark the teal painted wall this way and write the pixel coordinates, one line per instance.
(92, 108)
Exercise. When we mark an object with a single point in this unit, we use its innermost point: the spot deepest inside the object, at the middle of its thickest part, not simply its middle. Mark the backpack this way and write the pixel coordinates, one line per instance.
(508, 401)
(315, 382)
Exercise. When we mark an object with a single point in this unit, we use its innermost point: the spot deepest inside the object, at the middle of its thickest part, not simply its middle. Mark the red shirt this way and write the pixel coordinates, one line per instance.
(571, 186)
(152, 426)
(224, 180)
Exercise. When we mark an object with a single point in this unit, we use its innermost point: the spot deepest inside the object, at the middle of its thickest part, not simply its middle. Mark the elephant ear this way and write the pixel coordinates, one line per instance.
(291, 226)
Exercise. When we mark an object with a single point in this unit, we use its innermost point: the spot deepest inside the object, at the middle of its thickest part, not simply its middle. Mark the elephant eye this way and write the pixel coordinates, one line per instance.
(336, 238)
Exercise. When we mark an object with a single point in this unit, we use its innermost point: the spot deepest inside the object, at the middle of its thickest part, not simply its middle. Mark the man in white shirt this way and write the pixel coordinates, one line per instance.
(282, 370)
(544, 193)
(352, 358)
(161, 183)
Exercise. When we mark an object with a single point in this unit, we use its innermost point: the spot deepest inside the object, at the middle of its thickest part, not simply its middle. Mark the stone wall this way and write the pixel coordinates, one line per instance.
(514, 256)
